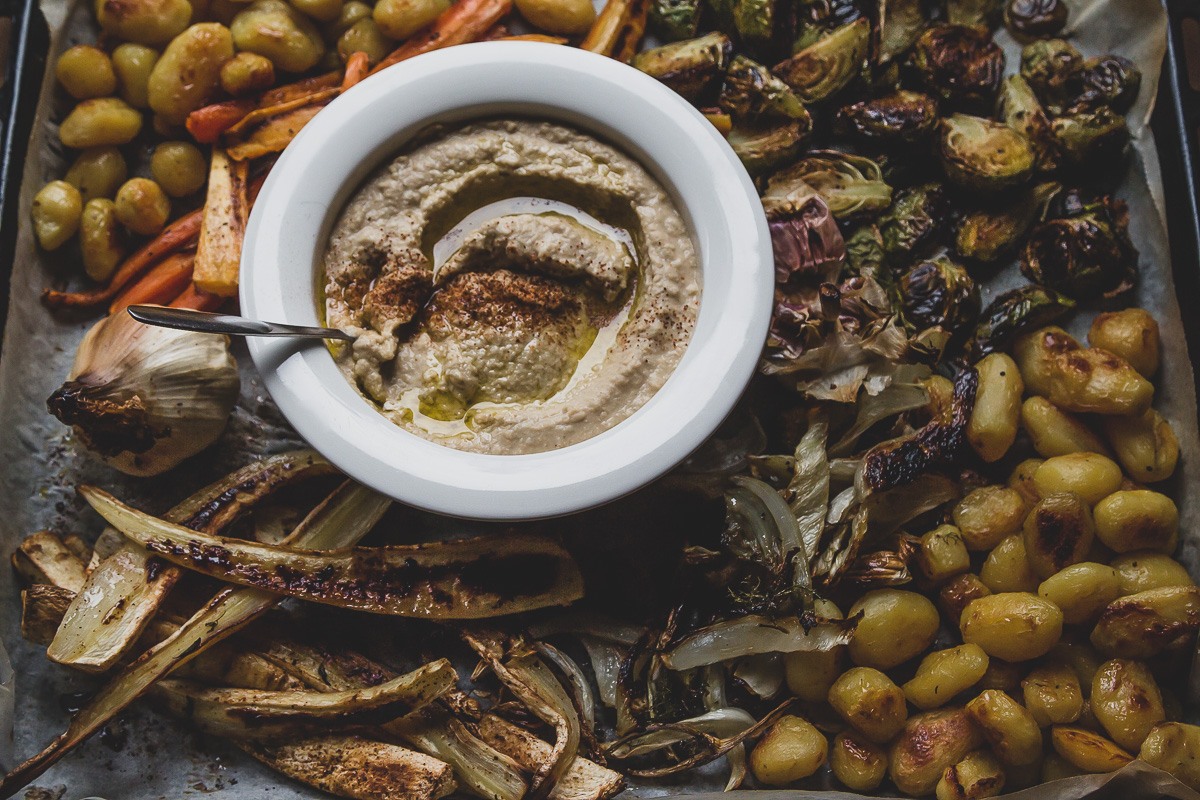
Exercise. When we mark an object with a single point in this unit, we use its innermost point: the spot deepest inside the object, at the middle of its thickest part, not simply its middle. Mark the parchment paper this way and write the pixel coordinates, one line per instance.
(145, 756)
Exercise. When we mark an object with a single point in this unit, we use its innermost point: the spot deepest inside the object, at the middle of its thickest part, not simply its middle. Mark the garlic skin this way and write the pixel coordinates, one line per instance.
(144, 398)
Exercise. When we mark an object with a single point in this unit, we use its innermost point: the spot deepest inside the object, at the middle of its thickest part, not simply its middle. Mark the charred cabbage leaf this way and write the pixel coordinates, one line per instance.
(982, 155)
(691, 67)
(1086, 255)
(806, 240)
(939, 294)
(959, 63)
(899, 119)
(1013, 313)
(750, 90)
(827, 65)
(848, 184)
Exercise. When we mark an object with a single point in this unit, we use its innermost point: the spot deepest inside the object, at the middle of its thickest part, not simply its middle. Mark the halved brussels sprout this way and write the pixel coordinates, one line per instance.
(960, 63)
(900, 24)
(847, 183)
(750, 90)
(1109, 80)
(1091, 139)
(1020, 110)
(672, 20)
(974, 12)
(918, 217)
(814, 19)
(900, 118)
(1085, 255)
(939, 294)
(763, 149)
(984, 155)
(826, 66)
(754, 20)
(864, 253)
(1035, 19)
(1013, 313)
(988, 235)
(690, 67)
(1049, 66)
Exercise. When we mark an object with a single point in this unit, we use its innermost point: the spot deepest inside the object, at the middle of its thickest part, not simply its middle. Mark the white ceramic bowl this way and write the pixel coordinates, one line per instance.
(365, 128)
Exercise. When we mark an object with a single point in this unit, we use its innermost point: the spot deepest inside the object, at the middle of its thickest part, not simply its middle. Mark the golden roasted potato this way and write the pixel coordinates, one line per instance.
(1137, 519)
(1095, 381)
(1126, 701)
(142, 206)
(1145, 624)
(97, 172)
(1087, 750)
(928, 745)
(100, 239)
(810, 673)
(86, 72)
(978, 775)
(1174, 747)
(1081, 657)
(1058, 533)
(148, 22)
(1007, 726)
(988, 514)
(99, 122)
(1089, 475)
(1052, 694)
(320, 10)
(564, 17)
(1055, 767)
(1082, 590)
(958, 592)
(1054, 432)
(1145, 444)
(942, 554)
(274, 29)
(896, 625)
(1006, 569)
(1021, 479)
(996, 415)
(1000, 674)
(188, 74)
(1146, 569)
(364, 36)
(399, 19)
(944, 673)
(133, 64)
(56, 210)
(1014, 626)
(870, 702)
(179, 168)
(1131, 334)
(1036, 353)
(246, 73)
(857, 762)
(791, 750)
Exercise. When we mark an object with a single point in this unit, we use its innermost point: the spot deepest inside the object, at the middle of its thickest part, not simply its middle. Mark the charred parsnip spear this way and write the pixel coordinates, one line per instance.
(340, 521)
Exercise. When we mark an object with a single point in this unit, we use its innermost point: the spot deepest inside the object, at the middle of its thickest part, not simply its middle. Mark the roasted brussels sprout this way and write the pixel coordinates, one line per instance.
(1049, 66)
(763, 149)
(900, 118)
(974, 12)
(814, 19)
(689, 67)
(938, 293)
(917, 218)
(1013, 313)
(1091, 139)
(864, 253)
(847, 183)
(672, 20)
(750, 90)
(1109, 80)
(825, 67)
(900, 23)
(1020, 110)
(754, 20)
(1086, 255)
(982, 155)
(1035, 19)
(960, 63)
(990, 234)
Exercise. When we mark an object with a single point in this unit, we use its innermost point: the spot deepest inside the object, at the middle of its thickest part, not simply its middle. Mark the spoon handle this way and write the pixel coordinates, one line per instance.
(205, 322)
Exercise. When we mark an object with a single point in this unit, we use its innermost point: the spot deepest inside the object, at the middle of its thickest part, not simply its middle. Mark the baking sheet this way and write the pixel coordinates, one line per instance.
(145, 756)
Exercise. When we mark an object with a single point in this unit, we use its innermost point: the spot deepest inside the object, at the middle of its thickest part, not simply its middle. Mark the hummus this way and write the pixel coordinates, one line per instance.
(515, 287)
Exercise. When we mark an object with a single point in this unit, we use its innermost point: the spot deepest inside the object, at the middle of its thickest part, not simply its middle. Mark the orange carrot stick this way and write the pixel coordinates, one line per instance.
(160, 285)
(357, 66)
(208, 123)
(173, 238)
(197, 300)
(633, 30)
(606, 30)
(301, 88)
(463, 22)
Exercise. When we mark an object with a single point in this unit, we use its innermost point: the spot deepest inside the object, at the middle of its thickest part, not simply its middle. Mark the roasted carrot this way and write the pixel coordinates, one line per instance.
(226, 206)
(274, 134)
(606, 30)
(179, 234)
(197, 300)
(357, 66)
(463, 22)
(301, 88)
(160, 285)
(633, 30)
(319, 97)
(208, 123)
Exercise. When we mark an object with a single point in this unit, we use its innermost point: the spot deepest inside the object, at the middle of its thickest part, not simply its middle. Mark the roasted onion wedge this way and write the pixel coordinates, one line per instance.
(487, 576)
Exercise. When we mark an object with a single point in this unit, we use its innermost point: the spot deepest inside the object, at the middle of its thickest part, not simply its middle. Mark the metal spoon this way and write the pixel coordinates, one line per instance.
(185, 319)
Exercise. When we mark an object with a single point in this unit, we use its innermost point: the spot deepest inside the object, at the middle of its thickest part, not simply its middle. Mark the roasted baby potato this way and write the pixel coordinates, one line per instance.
(100, 239)
(1008, 727)
(1145, 569)
(988, 514)
(1014, 626)
(1145, 624)
(996, 415)
(870, 702)
(1126, 701)
(1089, 475)
(1006, 569)
(1052, 694)
(1091, 380)
(1058, 533)
(978, 775)
(1138, 519)
(929, 744)
(1082, 590)
(188, 74)
(857, 762)
(98, 172)
(944, 673)
(1087, 750)
(1145, 444)
(1021, 479)
(1131, 334)
(942, 554)
(896, 625)
(958, 592)
(99, 122)
(1174, 747)
(86, 72)
(1035, 354)
(791, 750)
(56, 210)
(1056, 433)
